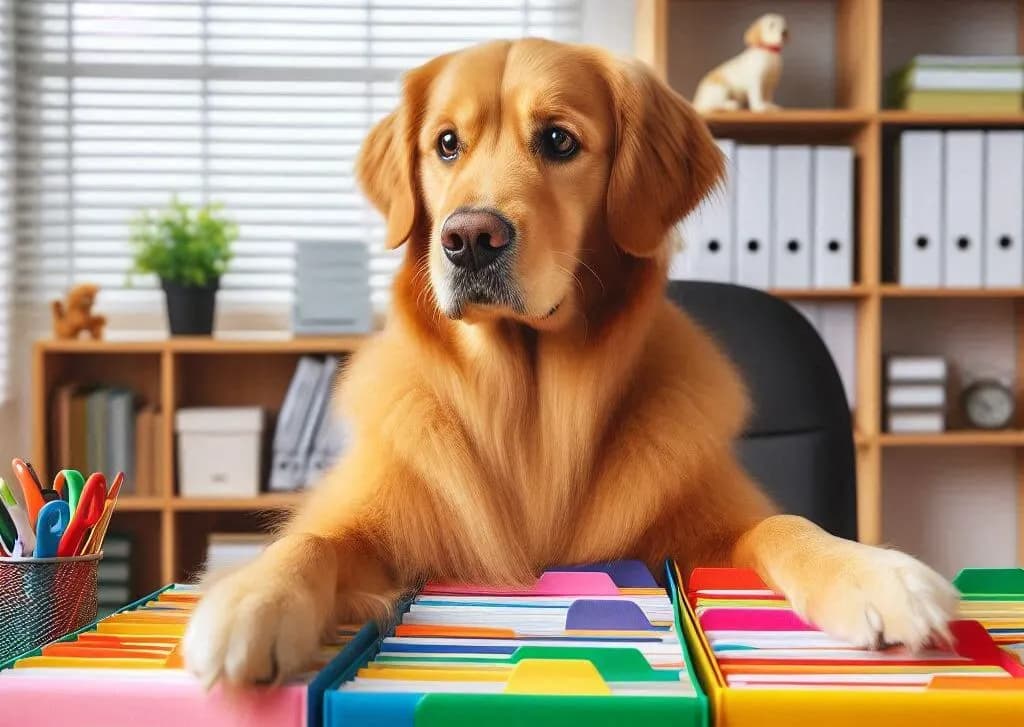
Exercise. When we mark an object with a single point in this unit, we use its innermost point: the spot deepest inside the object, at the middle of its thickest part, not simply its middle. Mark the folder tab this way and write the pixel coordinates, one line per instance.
(593, 615)
(556, 676)
(550, 583)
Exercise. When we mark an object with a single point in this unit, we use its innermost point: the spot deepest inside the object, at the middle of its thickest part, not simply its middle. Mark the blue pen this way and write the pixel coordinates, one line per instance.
(53, 521)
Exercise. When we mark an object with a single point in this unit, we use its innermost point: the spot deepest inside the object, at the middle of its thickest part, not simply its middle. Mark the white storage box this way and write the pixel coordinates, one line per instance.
(219, 451)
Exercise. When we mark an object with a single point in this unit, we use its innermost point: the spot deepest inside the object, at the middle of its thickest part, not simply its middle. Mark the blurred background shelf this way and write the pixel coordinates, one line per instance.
(835, 65)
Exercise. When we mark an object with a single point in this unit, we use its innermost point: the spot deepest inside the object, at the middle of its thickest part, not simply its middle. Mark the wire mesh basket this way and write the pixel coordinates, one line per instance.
(42, 599)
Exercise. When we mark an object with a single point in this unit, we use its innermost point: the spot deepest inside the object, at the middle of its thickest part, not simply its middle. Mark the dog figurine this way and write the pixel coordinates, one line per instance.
(749, 79)
(75, 316)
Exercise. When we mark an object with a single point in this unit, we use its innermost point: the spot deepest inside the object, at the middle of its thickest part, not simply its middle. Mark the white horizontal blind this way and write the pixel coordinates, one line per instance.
(6, 201)
(258, 104)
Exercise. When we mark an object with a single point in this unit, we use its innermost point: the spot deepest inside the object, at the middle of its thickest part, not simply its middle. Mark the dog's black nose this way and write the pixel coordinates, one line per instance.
(475, 238)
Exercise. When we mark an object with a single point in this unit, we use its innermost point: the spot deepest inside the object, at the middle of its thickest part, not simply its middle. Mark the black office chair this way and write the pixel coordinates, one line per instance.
(799, 442)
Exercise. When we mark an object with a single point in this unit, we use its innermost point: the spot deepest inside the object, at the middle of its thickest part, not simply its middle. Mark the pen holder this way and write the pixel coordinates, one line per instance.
(42, 599)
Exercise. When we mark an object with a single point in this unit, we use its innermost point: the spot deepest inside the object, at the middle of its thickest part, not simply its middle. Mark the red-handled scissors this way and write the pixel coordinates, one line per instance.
(87, 514)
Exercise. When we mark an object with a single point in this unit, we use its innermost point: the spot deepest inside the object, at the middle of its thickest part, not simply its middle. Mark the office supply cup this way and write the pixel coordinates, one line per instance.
(43, 599)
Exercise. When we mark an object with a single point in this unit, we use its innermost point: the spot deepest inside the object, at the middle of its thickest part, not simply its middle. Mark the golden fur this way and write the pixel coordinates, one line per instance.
(492, 441)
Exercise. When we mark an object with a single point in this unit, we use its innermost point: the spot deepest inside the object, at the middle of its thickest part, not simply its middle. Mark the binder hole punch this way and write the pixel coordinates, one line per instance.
(833, 245)
(793, 245)
(714, 245)
(753, 245)
(963, 242)
(1005, 241)
(921, 242)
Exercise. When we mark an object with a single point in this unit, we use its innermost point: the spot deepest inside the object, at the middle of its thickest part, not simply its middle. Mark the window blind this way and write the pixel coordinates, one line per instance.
(257, 104)
(6, 201)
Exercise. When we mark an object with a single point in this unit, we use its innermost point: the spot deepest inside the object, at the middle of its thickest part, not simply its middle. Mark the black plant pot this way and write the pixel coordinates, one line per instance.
(190, 307)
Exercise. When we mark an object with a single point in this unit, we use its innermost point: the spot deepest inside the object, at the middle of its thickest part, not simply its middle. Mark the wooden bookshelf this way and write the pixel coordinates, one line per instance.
(169, 531)
(859, 42)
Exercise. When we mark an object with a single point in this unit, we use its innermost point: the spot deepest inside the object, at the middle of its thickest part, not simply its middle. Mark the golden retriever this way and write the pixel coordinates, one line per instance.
(534, 398)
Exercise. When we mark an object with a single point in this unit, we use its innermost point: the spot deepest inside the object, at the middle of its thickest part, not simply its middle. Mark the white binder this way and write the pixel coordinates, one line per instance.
(832, 246)
(920, 172)
(791, 234)
(1003, 222)
(753, 215)
(708, 232)
(962, 199)
(837, 324)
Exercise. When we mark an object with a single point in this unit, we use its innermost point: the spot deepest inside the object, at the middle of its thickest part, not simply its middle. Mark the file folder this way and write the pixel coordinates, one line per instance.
(791, 235)
(920, 213)
(991, 692)
(832, 252)
(963, 154)
(1004, 217)
(599, 680)
(753, 215)
(127, 669)
(708, 235)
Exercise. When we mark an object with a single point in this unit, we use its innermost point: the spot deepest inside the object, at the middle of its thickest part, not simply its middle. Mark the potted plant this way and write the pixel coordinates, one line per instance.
(188, 249)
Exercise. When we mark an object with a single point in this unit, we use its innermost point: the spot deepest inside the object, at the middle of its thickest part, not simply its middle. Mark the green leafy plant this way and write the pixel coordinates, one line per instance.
(183, 245)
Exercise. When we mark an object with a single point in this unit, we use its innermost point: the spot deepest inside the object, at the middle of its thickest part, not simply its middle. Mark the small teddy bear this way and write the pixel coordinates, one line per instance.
(76, 316)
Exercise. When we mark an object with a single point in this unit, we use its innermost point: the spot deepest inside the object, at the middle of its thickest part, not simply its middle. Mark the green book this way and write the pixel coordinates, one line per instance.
(972, 102)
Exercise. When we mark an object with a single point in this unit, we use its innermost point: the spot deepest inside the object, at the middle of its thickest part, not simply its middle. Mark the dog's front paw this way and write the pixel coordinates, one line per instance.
(249, 629)
(872, 596)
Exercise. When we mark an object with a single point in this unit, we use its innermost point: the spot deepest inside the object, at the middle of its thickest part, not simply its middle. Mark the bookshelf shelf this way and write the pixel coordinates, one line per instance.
(275, 501)
(967, 438)
(918, 118)
(899, 291)
(167, 529)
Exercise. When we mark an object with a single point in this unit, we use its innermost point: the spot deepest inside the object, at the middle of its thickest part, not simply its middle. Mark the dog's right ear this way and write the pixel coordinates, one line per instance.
(387, 163)
(752, 37)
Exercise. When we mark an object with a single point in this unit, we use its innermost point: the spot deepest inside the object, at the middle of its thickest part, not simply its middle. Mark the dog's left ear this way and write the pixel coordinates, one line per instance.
(752, 36)
(665, 162)
(386, 167)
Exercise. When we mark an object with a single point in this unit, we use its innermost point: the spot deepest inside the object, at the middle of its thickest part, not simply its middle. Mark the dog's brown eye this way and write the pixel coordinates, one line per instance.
(558, 144)
(448, 145)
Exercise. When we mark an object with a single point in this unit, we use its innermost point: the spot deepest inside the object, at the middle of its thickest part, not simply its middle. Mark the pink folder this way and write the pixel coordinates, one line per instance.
(550, 583)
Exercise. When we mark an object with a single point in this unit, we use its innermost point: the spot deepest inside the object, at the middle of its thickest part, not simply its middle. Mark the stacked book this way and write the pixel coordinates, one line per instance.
(971, 84)
(308, 438)
(915, 394)
(109, 429)
(113, 578)
(332, 289)
(230, 550)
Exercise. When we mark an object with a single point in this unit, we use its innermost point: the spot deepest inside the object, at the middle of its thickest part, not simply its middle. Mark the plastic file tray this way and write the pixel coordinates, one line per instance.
(958, 702)
(505, 710)
(53, 700)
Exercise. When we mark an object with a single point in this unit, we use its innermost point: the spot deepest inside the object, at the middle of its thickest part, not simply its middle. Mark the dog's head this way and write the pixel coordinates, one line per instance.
(515, 160)
(768, 31)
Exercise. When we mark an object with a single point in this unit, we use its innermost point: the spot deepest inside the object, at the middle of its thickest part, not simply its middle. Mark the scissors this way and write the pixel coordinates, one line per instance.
(54, 518)
(87, 514)
(73, 481)
(31, 490)
(95, 539)
(19, 517)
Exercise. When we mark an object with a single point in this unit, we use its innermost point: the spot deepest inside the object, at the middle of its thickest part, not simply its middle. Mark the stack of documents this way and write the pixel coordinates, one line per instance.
(127, 669)
(951, 84)
(576, 645)
(332, 288)
(783, 219)
(915, 395)
(960, 222)
(995, 598)
(758, 642)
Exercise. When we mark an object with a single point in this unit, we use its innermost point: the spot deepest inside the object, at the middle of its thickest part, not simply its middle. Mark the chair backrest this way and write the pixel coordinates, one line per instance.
(798, 443)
